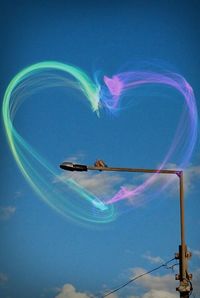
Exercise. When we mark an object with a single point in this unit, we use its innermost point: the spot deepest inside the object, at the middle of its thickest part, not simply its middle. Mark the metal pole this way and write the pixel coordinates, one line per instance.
(184, 278)
(185, 287)
(182, 222)
(132, 170)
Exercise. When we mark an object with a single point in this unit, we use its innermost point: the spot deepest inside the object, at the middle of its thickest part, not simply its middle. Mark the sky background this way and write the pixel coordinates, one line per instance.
(43, 254)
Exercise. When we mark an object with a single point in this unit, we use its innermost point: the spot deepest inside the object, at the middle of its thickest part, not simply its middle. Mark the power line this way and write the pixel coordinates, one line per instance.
(141, 275)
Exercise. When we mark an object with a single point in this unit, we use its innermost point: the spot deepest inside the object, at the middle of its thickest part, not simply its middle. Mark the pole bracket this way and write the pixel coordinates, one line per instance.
(179, 173)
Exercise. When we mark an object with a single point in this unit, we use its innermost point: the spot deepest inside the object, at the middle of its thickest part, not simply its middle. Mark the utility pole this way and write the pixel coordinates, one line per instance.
(185, 286)
(183, 255)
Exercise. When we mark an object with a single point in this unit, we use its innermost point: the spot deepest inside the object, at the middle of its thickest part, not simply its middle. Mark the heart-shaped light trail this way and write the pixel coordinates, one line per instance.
(50, 74)
(121, 83)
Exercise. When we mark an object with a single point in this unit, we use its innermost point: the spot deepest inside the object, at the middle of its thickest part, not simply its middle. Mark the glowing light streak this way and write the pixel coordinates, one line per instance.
(40, 173)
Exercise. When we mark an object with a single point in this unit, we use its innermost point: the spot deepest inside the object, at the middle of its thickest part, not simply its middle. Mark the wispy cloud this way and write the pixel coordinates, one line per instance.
(18, 194)
(155, 286)
(107, 184)
(157, 294)
(156, 282)
(6, 212)
(196, 283)
(153, 259)
(150, 286)
(69, 291)
(3, 278)
(101, 184)
(191, 174)
(196, 252)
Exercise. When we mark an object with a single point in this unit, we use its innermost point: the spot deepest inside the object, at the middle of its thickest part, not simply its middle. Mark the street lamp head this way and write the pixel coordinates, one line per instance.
(70, 166)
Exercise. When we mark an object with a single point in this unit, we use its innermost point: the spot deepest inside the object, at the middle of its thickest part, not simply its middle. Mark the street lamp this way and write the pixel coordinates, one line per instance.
(184, 277)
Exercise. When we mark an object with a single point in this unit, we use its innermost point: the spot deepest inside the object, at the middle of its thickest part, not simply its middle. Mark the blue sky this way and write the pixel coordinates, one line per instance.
(43, 254)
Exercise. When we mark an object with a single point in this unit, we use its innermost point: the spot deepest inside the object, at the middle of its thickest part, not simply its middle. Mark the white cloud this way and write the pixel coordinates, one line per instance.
(107, 184)
(155, 286)
(69, 291)
(3, 278)
(156, 282)
(159, 294)
(196, 253)
(159, 181)
(102, 184)
(18, 194)
(6, 212)
(113, 296)
(153, 260)
(152, 286)
(156, 294)
(196, 283)
(191, 174)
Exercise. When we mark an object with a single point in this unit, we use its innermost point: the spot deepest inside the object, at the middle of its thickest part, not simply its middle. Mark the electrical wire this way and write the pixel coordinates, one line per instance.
(191, 286)
(141, 275)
